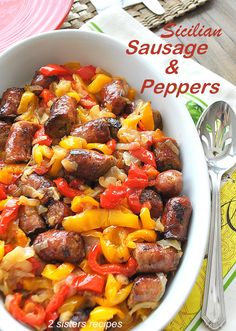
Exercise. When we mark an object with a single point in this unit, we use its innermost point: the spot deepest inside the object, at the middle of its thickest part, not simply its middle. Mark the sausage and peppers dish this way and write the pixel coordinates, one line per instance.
(91, 213)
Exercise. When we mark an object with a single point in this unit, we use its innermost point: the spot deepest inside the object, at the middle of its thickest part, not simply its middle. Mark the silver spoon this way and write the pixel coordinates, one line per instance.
(216, 128)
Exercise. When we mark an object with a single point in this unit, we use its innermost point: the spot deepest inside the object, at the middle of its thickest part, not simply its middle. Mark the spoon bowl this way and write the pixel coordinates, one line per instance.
(216, 129)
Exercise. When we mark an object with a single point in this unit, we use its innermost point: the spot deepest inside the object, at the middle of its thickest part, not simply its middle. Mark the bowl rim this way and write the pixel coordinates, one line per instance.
(149, 322)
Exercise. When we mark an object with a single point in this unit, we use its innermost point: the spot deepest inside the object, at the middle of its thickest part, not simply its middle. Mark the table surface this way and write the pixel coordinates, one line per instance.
(221, 55)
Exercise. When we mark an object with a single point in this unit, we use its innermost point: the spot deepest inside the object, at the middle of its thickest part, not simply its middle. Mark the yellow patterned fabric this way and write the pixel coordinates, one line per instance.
(194, 302)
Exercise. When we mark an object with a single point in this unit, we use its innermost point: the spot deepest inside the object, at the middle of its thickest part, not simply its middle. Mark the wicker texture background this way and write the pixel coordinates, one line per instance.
(83, 10)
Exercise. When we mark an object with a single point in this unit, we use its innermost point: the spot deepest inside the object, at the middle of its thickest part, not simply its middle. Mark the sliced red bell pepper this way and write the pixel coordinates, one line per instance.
(137, 178)
(86, 72)
(42, 138)
(37, 265)
(7, 248)
(111, 144)
(128, 269)
(55, 303)
(136, 182)
(112, 196)
(133, 197)
(32, 313)
(144, 155)
(135, 171)
(94, 283)
(54, 70)
(3, 194)
(87, 102)
(67, 77)
(64, 188)
(8, 215)
(46, 95)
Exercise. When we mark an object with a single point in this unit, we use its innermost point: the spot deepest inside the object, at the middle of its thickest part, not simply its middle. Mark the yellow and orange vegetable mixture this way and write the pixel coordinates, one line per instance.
(91, 213)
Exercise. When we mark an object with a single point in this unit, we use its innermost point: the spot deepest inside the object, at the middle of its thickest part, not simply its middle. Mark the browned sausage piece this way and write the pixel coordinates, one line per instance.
(167, 155)
(62, 117)
(4, 132)
(42, 81)
(14, 189)
(114, 96)
(169, 183)
(155, 201)
(19, 142)
(59, 246)
(96, 131)
(176, 217)
(147, 288)
(30, 221)
(57, 210)
(152, 257)
(37, 184)
(10, 102)
(86, 164)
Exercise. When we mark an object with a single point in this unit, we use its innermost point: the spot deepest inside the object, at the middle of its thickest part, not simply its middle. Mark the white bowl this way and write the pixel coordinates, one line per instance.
(17, 66)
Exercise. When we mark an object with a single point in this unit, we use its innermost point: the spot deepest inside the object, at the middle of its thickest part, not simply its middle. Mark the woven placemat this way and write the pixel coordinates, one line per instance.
(83, 10)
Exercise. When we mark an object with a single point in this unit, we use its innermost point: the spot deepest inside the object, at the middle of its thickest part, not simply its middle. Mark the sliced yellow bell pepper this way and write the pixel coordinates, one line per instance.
(1, 249)
(6, 172)
(59, 154)
(55, 273)
(147, 222)
(5, 176)
(87, 220)
(131, 121)
(146, 235)
(34, 284)
(79, 203)
(113, 291)
(28, 102)
(113, 244)
(72, 142)
(74, 95)
(147, 119)
(121, 218)
(98, 317)
(41, 151)
(98, 83)
(100, 218)
(105, 313)
(114, 294)
(100, 147)
(72, 304)
(20, 238)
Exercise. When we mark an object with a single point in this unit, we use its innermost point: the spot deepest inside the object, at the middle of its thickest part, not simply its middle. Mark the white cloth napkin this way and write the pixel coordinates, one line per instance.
(119, 24)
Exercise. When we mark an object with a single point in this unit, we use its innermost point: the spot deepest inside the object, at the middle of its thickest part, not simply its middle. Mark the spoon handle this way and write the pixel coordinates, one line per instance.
(213, 309)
